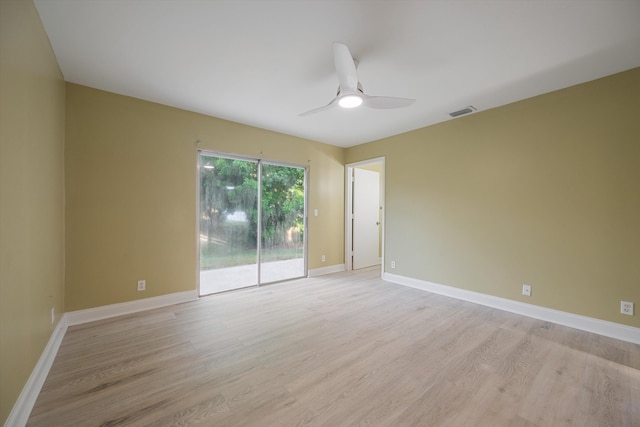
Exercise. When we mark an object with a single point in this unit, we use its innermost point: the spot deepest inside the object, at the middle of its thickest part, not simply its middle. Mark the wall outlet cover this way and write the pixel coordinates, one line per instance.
(626, 307)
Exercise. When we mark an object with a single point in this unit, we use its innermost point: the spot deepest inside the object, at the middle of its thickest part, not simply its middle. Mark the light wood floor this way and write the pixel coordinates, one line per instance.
(339, 350)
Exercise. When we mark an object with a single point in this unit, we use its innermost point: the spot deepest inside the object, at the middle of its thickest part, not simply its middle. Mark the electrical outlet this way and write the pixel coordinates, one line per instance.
(324, 258)
(393, 264)
(526, 290)
(142, 285)
(626, 307)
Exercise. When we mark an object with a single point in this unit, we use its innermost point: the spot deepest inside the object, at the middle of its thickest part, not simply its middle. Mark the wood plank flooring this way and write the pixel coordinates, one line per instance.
(345, 349)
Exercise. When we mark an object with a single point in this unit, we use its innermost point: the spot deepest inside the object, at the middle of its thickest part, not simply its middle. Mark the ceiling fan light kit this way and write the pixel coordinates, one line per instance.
(350, 93)
(350, 101)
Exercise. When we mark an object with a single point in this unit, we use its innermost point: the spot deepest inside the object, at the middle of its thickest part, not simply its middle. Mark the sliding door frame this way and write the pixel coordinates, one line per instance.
(260, 162)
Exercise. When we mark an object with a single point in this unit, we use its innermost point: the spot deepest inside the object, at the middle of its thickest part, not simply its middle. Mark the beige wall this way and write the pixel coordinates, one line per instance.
(31, 195)
(544, 191)
(131, 193)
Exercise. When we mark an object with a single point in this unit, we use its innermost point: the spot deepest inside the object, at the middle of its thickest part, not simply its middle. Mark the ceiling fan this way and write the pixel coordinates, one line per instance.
(350, 93)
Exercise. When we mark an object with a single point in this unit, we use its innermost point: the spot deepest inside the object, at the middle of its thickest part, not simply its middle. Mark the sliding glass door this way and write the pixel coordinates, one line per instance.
(228, 208)
(241, 245)
(282, 223)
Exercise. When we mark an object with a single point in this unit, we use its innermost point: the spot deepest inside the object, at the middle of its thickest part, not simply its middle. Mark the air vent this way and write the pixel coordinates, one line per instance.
(465, 110)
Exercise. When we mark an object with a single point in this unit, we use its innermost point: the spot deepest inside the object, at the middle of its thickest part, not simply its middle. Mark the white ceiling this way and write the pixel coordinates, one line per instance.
(263, 62)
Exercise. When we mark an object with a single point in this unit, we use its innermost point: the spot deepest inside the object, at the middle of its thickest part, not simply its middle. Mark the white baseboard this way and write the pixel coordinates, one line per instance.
(106, 311)
(326, 270)
(24, 404)
(589, 324)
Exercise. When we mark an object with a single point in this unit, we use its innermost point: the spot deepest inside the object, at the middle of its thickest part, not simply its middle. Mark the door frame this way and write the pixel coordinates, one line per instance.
(348, 225)
(259, 161)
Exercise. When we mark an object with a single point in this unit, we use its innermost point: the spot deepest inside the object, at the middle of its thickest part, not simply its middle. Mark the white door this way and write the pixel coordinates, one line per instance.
(366, 218)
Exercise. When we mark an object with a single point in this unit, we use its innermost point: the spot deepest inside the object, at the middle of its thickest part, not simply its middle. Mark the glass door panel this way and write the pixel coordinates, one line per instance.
(282, 223)
(228, 224)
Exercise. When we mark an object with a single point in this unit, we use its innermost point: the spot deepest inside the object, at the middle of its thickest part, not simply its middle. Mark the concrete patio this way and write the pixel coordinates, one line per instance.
(226, 279)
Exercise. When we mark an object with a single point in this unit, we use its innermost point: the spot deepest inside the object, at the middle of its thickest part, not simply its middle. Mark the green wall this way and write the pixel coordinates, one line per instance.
(31, 195)
(545, 191)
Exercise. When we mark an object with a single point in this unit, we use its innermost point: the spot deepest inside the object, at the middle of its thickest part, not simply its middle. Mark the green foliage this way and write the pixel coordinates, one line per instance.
(282, 205)
(229, 190)
(226, 186)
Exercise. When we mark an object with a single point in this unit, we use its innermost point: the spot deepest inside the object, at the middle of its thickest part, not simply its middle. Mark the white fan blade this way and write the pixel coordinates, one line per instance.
(345, 68)
(386, 102)
(317, 110)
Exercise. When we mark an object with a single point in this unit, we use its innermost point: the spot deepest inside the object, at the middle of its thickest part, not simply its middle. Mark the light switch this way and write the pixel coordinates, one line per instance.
(315, 212)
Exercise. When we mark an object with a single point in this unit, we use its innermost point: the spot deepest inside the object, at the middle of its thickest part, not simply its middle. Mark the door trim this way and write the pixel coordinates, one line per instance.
(348, 227)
